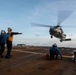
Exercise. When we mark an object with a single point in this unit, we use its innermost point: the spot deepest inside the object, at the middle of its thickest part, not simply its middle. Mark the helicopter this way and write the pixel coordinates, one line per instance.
(57, 30)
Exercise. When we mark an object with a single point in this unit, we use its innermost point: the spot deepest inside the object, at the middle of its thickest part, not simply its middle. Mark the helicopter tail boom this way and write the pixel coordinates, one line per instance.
(67, 39)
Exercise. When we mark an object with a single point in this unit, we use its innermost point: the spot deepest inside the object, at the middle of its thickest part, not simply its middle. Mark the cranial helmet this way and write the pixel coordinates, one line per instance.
(54, 45)
(9, 29)
(3, 32)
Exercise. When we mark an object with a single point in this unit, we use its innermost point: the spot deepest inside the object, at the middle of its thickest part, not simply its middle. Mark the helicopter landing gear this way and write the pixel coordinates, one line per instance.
(51, 36)
(60, 40)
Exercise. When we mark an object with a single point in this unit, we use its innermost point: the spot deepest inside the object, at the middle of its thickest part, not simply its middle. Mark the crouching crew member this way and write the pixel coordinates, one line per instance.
(54, 51)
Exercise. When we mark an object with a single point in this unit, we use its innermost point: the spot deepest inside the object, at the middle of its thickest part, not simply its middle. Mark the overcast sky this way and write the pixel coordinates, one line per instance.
(19, 14)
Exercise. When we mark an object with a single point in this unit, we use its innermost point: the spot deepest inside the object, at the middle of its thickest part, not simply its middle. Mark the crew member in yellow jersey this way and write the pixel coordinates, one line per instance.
(9, 42)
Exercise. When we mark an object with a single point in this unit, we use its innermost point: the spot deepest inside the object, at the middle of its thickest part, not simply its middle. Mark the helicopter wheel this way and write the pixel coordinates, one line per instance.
(60, 40)
(51, 36)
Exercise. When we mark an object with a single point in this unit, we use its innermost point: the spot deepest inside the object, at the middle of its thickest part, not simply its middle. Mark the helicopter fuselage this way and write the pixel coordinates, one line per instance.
(58, 33)
(55, 31)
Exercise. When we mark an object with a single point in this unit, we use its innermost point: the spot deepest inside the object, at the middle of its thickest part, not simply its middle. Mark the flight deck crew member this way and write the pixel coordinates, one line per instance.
(54, 51)
(3, 38)
(9, 42)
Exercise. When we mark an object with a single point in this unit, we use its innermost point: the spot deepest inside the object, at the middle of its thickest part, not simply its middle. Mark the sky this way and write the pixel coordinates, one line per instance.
(19, 14)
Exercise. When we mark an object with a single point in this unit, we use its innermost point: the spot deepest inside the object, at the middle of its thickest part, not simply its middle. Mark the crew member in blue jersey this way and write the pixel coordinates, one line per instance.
(3, 38)
(54, 52)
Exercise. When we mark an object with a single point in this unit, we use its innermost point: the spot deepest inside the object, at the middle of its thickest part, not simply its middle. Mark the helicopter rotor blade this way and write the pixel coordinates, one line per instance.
(70, 26)
(63, 15)
(40, 25)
